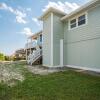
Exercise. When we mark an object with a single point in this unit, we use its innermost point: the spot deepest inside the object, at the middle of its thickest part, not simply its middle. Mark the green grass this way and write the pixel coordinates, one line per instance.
(68, 85)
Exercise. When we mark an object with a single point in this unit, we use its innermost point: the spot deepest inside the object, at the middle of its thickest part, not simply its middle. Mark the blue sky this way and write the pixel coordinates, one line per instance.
(18, 20)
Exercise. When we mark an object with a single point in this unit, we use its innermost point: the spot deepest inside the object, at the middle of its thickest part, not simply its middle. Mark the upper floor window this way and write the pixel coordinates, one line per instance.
(81, 20)
(77, 21)
(73, 23)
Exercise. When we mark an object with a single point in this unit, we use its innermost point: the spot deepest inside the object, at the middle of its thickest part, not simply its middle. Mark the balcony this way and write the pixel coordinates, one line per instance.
(30, 45)
(33, 44)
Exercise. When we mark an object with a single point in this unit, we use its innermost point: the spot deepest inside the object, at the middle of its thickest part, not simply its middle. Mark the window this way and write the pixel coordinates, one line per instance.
(81, 20)
(73, 23)
(78, 21)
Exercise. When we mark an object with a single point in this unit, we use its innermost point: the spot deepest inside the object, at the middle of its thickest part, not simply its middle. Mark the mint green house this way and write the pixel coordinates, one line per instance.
(72, 40)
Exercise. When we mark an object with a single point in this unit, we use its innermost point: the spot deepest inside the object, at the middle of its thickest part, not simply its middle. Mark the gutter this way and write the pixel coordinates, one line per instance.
(91, 3)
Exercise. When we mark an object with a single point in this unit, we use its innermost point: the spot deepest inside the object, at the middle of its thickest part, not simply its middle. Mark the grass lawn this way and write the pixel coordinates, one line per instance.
(68, 85)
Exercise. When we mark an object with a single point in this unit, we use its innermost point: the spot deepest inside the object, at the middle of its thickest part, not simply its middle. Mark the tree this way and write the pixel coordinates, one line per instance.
(7, 58)
(2, 57)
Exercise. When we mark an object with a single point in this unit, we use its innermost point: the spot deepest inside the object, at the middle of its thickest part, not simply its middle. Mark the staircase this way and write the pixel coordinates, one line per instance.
(35, 57)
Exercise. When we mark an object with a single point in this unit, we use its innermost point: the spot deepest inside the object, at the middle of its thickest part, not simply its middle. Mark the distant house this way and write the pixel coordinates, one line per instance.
(73, 39)
(19, 55)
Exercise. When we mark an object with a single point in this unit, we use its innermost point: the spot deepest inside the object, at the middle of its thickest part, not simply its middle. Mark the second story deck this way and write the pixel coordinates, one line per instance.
(34, 40)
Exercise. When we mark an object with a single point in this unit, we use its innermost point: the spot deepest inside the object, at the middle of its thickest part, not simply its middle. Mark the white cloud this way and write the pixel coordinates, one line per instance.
(65, 7)
(28, 9)
(19, 15)
(3, 6)
(39, 23)
(20, 20)
(27, 31)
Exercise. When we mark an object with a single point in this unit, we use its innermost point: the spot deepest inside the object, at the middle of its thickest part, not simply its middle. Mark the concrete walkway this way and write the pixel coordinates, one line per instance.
(42, 70)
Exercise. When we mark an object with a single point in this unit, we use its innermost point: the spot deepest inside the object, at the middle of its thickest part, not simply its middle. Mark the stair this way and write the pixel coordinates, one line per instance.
(35, 57)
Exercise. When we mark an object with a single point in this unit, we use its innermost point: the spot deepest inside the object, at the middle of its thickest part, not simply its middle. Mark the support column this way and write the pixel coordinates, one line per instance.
(26, 55)
(30, 46)
(27, 50)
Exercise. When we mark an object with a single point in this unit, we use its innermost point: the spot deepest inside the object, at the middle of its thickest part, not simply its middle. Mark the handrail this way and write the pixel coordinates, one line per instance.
(30, 44)
(34, 56)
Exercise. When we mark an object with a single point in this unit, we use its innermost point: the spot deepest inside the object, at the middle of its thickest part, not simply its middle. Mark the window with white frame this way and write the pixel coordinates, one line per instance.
(81, 19)
(73, 23)
(78, 21)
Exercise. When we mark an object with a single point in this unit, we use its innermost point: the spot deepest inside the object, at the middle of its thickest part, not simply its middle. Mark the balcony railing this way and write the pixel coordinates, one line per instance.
(33, 44)
(30, 45)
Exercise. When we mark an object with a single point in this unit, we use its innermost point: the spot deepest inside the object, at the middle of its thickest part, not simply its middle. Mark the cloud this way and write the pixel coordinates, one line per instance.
(65, 7)
(27, 31)
(39, 23)
(19, 15)
(20, 20)
(28, 9)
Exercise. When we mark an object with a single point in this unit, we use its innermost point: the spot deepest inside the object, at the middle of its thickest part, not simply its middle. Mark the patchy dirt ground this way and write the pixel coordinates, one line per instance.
(40, 70)
(10, 73)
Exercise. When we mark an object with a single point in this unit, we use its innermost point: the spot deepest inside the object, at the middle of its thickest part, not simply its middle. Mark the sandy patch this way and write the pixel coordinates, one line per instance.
(9, 74)
(40, 70)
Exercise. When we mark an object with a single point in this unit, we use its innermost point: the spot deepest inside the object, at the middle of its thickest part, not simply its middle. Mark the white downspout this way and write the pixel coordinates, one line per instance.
(51, 39)
(61, 52)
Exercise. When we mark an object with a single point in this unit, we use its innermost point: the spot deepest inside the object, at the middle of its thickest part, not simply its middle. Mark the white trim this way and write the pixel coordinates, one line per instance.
(53, 10)
(76, 17)
(84, 68)
(77, 67)
(51, 39)
(61, 52)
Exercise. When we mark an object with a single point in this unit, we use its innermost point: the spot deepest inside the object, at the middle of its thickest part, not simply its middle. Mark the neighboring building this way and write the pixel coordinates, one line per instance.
(19, 55)
(73, 39)
(33, 48)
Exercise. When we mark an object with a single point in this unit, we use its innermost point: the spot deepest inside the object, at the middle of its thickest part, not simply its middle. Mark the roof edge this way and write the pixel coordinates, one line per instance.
(51, 9)
(35, 34)
(79, 9)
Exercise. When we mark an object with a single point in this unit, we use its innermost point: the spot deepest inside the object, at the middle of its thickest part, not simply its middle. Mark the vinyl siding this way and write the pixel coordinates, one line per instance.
(47, 41)
(82, 44)
(57, 35)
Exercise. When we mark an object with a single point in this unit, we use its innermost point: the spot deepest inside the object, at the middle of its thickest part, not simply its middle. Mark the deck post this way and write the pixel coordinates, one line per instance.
(30, 46)
(27, 50)
(26, 54)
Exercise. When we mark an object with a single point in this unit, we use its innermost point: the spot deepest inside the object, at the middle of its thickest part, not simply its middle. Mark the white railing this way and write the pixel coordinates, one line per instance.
(33, 44)
(34, 56)
(30, 45)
